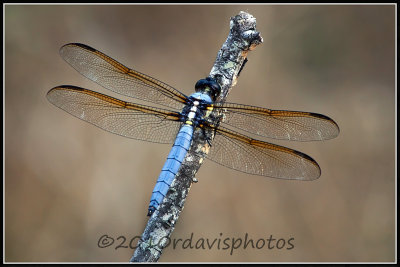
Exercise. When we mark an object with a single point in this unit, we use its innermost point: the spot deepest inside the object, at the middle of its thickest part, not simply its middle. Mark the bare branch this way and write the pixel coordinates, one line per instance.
(230, 60)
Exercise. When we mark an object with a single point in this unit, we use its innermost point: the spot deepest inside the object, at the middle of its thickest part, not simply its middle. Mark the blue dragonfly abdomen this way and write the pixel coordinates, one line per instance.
(191, 115)
(171, 166)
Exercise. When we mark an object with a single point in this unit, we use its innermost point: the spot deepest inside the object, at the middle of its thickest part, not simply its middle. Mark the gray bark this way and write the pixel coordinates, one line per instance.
(230, 60)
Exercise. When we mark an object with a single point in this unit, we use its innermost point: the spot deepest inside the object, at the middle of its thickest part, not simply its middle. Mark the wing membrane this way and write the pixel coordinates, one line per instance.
(114, 76)
(279, 124)
(117, 116)
(244, 154)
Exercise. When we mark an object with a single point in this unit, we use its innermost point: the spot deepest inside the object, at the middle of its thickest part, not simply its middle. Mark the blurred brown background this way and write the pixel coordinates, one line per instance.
(67, 183)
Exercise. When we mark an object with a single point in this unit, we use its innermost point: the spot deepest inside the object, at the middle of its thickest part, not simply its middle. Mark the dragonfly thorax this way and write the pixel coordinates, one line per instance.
(193, 113)
(193, 110)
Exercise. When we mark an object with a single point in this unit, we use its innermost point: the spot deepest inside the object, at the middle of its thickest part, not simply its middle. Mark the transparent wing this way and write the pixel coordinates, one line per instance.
(278, 124)
(114, 76)
(117, 116)
(244, 154)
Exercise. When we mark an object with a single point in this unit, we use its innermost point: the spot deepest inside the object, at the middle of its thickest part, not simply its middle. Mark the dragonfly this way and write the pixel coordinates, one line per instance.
(173, 118)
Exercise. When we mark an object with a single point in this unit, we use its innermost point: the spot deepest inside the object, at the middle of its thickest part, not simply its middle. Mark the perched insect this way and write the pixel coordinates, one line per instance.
(176, 124)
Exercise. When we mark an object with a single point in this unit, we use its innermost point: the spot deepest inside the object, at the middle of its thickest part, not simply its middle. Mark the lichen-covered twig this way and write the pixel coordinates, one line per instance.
(230, 60)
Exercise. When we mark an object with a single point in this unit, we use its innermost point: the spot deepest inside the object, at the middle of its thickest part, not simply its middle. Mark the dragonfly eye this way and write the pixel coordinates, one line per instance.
(208, 86)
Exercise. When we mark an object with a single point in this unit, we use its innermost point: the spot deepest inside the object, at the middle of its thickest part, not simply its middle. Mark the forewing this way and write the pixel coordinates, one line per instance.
(114, 76)
(278, 124)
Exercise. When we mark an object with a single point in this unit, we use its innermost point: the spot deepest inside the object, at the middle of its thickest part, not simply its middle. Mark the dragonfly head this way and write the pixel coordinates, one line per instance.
(208, 86)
